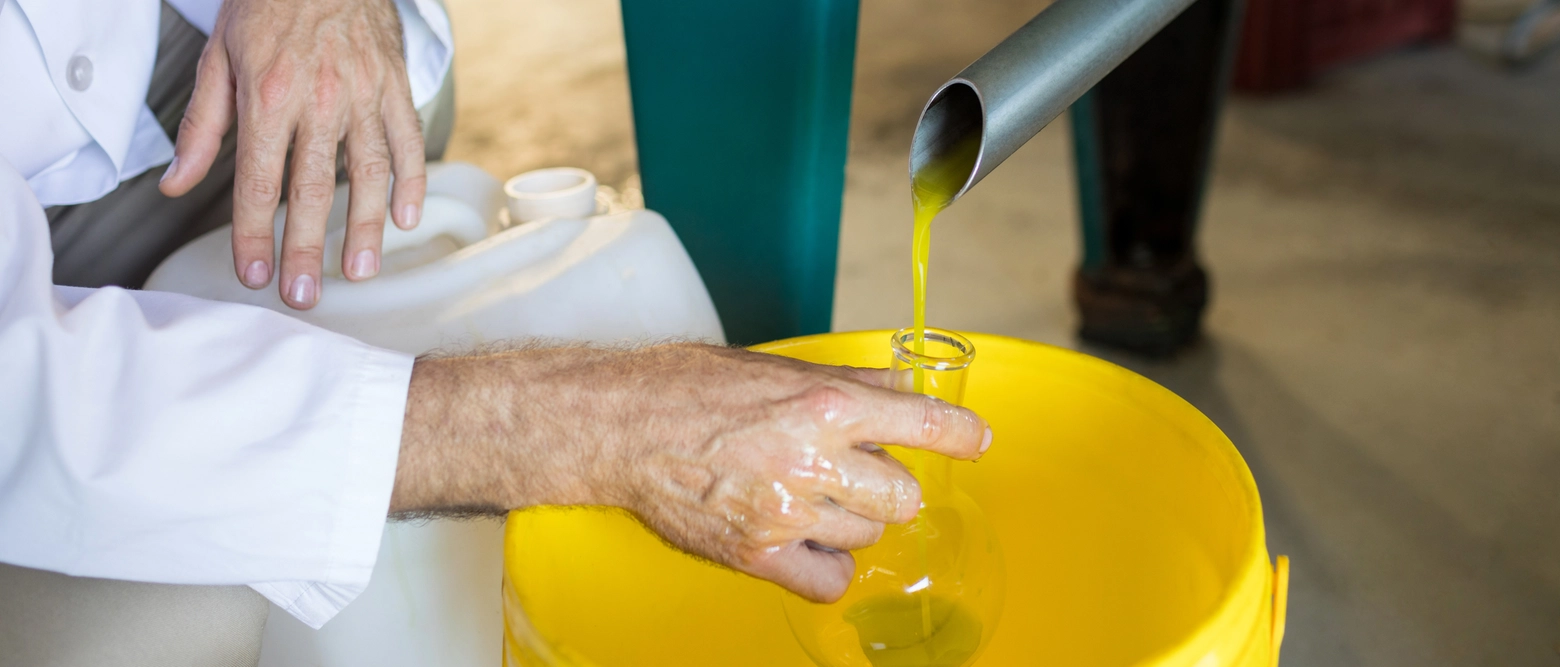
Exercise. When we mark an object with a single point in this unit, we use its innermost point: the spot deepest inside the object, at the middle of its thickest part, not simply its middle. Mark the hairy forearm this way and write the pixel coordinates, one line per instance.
(493, 432)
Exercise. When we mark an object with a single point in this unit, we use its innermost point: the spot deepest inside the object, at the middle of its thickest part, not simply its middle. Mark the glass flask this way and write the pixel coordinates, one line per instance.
(929, 593)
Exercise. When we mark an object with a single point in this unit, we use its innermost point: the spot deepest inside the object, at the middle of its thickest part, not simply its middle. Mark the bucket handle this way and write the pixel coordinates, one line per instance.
(1280, 603)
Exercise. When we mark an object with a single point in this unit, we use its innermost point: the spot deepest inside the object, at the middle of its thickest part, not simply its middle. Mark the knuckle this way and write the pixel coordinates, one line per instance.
(251, 235)
(370, 226)
(312, 195)
(373, 169)
(310, 252)
(804, 465)
(411, 146)
(934, 420)
(827, 403)
(273, 90)
(370, 132)
(259, 189)
(780, 513)
(190, 124)
(411, 185)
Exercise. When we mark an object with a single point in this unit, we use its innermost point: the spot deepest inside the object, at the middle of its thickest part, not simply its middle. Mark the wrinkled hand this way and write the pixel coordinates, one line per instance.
(756, 462)
(307, 74)
(763, 459)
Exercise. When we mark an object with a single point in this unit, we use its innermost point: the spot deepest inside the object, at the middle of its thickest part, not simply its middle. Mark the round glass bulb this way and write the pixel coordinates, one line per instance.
(930, 592)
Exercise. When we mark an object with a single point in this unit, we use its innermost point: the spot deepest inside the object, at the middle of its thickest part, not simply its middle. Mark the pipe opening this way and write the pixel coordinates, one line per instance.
(948, 139)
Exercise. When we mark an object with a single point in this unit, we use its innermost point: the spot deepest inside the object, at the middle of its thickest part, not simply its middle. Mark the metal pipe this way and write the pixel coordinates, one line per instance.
(1008, 95)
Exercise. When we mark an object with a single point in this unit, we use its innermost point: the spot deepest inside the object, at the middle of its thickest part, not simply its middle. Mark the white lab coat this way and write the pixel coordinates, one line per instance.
(156, 437)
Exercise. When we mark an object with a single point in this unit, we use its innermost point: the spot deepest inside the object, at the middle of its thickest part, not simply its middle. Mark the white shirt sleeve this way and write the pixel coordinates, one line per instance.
(429, 46)
(157, 437)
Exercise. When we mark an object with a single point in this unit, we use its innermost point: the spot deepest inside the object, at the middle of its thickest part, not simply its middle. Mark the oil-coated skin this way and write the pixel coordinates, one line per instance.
(753, 461)
(305, 75)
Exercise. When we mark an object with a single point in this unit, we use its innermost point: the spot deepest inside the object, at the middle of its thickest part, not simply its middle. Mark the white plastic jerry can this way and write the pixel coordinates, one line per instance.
(531, 259)
(465, 276)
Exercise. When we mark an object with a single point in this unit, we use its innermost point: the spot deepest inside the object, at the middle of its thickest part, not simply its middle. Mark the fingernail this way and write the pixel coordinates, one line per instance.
(303, 290)
(410, 215)
(257, 275)
(365, 264)
(985, 443)
(172, 167)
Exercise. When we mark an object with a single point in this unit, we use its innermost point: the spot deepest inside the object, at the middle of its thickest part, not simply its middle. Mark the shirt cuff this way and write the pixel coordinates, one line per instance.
(363, 502)
(429, 46)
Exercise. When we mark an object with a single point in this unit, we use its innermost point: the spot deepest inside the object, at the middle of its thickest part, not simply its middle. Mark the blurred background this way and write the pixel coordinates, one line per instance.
(1382, 234)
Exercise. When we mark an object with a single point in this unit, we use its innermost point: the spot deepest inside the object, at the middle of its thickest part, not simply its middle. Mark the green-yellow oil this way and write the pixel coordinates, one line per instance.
(932, 189)
(891, 633)
(913, 621)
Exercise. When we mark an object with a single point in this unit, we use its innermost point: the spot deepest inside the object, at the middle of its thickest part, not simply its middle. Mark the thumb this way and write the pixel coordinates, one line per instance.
(206, 119)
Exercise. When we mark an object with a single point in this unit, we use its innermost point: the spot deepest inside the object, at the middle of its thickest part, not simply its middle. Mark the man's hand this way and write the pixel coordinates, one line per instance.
(306, 74)
(751, 460)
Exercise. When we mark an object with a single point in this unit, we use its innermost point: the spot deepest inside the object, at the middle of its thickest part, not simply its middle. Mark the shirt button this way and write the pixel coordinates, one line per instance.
(78, 73)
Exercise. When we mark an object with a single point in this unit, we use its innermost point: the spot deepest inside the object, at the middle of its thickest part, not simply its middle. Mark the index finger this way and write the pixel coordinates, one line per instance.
(919, 422)
(206, 119)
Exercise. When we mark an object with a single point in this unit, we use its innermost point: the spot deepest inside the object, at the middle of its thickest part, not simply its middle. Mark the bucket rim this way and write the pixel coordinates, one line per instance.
(1239, 611)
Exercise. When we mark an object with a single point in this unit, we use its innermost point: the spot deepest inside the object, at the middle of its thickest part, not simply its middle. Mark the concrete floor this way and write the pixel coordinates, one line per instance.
(1384, 339)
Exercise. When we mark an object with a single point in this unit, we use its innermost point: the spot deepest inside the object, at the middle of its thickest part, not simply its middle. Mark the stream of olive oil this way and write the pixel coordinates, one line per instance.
(932, 189)
(927, 204)
(949, 635)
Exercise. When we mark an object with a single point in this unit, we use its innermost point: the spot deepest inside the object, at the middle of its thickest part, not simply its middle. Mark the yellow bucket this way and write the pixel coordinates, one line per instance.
(1132, 530)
